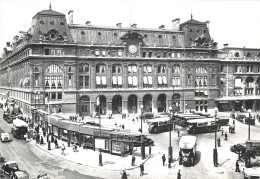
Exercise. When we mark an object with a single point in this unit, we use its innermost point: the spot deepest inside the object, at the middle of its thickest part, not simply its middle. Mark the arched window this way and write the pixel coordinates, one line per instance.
(53, 77)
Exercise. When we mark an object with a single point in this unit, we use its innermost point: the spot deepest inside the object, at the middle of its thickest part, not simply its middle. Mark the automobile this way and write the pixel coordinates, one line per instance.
(5, 137)
(147, 115)
(20, 175)
(10, 167)
(44, 176)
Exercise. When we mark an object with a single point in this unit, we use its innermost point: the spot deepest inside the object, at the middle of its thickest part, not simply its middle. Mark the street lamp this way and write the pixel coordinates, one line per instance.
(215, 151)
(141, 118)
(249, 117)
(170, 136)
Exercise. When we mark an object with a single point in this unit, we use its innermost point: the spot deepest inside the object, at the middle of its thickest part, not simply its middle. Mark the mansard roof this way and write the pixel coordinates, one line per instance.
(50, 12)
(193, 22)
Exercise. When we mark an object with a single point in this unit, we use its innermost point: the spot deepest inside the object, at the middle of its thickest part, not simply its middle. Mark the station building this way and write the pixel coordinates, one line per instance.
(64, 67)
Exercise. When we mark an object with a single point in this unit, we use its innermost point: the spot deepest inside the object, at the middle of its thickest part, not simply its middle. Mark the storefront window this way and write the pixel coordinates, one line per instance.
(87, 141)
(55, 131)
(64, 134)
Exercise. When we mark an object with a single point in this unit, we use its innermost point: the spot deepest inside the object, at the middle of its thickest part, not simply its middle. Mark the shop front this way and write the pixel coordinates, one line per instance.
(102, 139)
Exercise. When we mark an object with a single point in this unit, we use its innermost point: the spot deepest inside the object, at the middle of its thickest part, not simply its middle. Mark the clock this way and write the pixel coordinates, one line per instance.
(132, 49)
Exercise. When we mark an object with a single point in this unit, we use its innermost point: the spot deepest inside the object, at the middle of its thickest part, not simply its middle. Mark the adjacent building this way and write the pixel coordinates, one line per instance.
(59, 66)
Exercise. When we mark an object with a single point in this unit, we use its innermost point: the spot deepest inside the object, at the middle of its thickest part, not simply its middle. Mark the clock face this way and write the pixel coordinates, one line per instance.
(132, 49)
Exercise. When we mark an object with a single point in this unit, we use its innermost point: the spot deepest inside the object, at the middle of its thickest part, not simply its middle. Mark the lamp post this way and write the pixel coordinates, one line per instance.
(170, 135)
(141, 118)
(215, 151)
(249, 117)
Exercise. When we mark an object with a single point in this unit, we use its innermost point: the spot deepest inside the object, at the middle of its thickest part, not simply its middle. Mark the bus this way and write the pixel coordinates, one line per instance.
(187, 150)
(181, 119)
(160, 125)
(19, 129)
(202, 125)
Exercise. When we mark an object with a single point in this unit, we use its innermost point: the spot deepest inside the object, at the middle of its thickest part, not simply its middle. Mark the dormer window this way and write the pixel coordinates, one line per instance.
(115, 34)
(52, 23)
(64, 34)
(41, 22)
(198, 31)
(174, 37)
(82, 33)
(159, 36)
(99, 33)
(52, 35)
(248, 55)
(190, 30)
(40, 33)
(236, 54)
(62, 23)
(145, 35)
(205, 31)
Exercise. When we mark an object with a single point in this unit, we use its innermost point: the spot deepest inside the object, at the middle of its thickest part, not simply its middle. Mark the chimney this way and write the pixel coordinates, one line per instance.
(161, 26)
(88, 22)
(119, 24)
(133, 25)
(70, 17)
(225, 45)
(207, 24)
(176, 24)
(8, 44)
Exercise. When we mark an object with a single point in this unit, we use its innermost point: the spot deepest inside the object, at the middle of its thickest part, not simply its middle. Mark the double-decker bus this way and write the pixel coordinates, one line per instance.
(19, 129)
(160, 125)
(181, 119)
(202, 125)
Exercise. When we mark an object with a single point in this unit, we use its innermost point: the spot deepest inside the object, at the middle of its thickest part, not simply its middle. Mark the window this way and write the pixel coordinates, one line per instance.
(36, 82)
(202, 106)
(162, 69)
(221, 68)
(70, 82)
(53, 77)
(150, 54)
(101, 82)
(62, 23)
(46, 51)
(132, 68)
(59, 96)
(117, 81)
(190, 30)
(82, 33)
(176, 81)
(144, 54)
(236, 54)
(248, 55)
(159, 36)
(115, 34)
(52, 23)
(147, 68)
(238, 82)
(238, 68)
(36, 70)
(249, 68)
(83, 68)
(145, 35)
(162, 81)
(100, 68)
(189, 79)
(176, 69)
(69, 69)
(41, 22)
(205, 31)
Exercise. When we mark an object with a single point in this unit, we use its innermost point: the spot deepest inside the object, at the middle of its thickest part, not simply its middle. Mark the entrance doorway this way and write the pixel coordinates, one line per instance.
(132, 104)
(147, 102)
(84, 105)
(102, 107)
(161, 103)
(117, 104)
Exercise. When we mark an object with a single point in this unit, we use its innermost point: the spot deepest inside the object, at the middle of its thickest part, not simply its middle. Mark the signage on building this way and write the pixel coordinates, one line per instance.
(101, 133)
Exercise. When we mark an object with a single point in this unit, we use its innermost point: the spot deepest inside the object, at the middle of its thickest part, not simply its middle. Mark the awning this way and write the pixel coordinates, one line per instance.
(104, 80)
(98, 81)
(164, 80)
(159, 80)
(119, 80)
(114, 80)
(134, 80)
(150, 81)
(145, 80)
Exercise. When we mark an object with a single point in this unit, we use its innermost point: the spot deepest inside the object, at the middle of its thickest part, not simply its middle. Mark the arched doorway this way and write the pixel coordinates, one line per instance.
(132, 104)
(147, 102)
(102, 106)
(117, 104)
(176, 101)
(161, 103)
(84, 105)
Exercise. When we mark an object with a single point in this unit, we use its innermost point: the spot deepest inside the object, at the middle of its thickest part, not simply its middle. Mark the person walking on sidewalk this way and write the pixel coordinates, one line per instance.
(141, 169)
(123, 175)
(56, 143)
(226, 136)
(41, 140)
(63, 149)
(218, 141)
(237, 166)
(179, 174)
(222, 131)
(133, 161)
(178, 133)
(163, 159)
(169, 161)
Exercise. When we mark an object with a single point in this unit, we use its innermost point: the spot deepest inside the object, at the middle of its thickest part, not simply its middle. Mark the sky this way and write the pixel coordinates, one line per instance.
(236, 22)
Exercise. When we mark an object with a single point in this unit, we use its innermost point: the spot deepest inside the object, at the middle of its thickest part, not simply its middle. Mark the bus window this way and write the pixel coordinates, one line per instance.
(165, 123)
(160, 123)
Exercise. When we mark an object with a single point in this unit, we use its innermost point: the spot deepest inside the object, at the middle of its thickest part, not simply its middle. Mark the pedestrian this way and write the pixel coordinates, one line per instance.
(141, 169)
(52, 138)
(123, 126)
(163, 159)
(37, 138)
(169, 161)
(44, 132)
(222, 132)
(56, 143)
(226, 136)
(229, 129)
(41, 140)
(63, 149)
(123, 175)
(25, 136)
(219, 142)
(178, 133)
(237, 166)
(179, 174)
(133, 161)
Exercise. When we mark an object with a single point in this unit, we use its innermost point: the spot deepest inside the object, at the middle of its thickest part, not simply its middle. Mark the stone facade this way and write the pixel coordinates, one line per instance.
(70, 66)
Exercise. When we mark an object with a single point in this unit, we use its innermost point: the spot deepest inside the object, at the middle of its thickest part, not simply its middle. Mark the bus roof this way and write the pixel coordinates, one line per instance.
(194, 117)
(159, 119)
(187, 142)
(20, 123)
(201, 120)
(186, 114)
